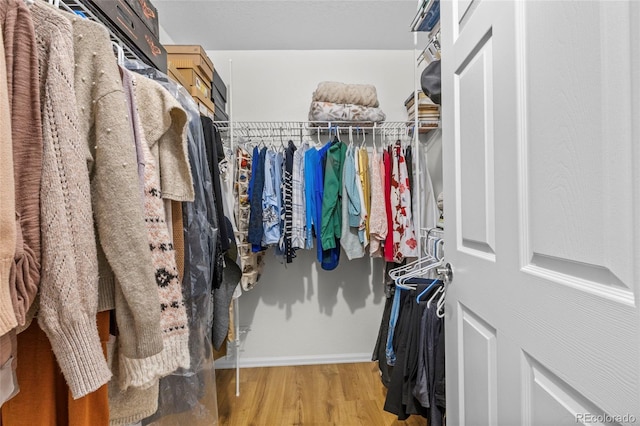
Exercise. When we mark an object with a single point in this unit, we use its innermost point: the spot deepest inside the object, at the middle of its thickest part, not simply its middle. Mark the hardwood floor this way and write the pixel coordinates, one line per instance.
(310, 395)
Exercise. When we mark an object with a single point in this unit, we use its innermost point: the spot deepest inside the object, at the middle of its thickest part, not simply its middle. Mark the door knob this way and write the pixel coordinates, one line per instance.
(447, 273)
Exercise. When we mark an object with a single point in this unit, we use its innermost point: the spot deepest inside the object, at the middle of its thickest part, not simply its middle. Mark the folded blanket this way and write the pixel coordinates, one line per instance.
(340, 93)
(327, 111)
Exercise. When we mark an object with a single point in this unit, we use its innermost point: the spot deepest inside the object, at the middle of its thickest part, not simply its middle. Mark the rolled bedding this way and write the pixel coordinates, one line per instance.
(327, 111)
(341, 93)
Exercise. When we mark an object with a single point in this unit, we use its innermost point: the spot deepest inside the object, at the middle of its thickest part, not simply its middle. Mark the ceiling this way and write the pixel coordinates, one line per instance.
(289, 24)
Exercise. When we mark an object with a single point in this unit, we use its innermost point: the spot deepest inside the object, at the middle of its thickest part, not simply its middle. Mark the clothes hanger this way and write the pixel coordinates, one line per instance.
(440, 305)
(426, 290)
(416, 264)
(417, 268)
(433, 296)
(119, 50)
(424, 270)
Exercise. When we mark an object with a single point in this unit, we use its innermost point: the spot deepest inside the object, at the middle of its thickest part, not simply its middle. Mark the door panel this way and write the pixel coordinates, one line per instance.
(570, 166)
(479, 362)
(541, 151)
(473, 91)
(551, 401)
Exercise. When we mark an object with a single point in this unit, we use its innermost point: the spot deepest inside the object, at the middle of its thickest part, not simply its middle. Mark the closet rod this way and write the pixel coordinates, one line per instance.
(321, 124)
(241, 128)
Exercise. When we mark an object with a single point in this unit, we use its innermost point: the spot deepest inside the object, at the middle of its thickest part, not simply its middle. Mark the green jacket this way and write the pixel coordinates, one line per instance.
(331, 228)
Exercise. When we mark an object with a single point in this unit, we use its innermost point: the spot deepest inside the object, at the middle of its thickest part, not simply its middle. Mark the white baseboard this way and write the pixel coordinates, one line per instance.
(229, 361)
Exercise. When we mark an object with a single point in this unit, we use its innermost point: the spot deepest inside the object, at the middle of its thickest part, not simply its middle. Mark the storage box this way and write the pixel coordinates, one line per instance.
(219, 85)
(220, 103)
(147, 14)
(122, 20)
(220, 115)
(205, 105)
(191, 56)
(195, 79)
(175, 75)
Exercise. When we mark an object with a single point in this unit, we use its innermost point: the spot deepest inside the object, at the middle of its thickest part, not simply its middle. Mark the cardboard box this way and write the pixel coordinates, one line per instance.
(123, 21)
(147, 14)
(219, 85)
(175, 75)
(205, 105)
(195, 79)
(190, 56)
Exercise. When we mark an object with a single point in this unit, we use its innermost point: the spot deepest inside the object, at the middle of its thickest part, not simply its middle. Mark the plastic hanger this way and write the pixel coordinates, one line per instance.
(426, 290)
(119, 52)
(411, 266)
(351, 136)
(433, 296)
(363, 140)
(440, 305)
(419, 272)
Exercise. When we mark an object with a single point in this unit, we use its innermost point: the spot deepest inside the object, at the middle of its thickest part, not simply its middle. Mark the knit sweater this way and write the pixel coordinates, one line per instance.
(69, 282)
(124, 259)
(173, 319)
(7, 202)
(130, 406)
(165, 128)
(24, 102)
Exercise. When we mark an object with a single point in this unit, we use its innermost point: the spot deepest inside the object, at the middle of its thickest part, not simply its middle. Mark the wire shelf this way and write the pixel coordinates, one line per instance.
(84, 9)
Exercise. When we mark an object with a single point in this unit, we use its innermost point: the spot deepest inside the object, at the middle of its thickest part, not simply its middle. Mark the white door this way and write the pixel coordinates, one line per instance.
(541, 149)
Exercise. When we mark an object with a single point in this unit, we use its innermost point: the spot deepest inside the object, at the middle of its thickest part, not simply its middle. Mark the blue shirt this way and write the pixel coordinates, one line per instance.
(314, 190)
(271, 199)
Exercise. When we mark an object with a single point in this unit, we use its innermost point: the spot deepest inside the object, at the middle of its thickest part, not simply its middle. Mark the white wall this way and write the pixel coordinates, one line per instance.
(300, 313)
(272, 85)
(165, 38)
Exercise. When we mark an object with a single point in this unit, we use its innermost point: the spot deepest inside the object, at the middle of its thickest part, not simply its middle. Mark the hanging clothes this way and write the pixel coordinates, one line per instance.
(8, 381)
(271, 199)
(378, 217)
(21, 58)
(349, 239)
(256, 188)
(287, 196)
(404, 239)
(314, 190)
(44, 397)
(408, 157)
(299, 202)
(141, 372)
(363, 172)
(250, 262)
(331, 228)
(183, 390)
(362, 228)
(388, 243)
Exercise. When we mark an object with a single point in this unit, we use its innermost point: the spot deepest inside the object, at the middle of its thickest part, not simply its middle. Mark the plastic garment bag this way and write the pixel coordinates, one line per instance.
(188, 396)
